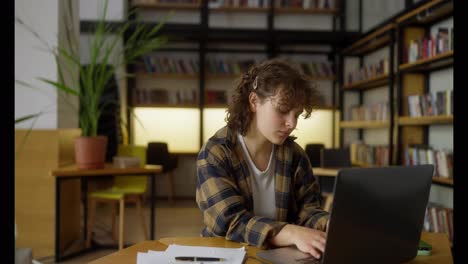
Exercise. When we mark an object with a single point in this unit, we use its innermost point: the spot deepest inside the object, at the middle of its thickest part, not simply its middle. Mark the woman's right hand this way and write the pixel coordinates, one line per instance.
(306, 239)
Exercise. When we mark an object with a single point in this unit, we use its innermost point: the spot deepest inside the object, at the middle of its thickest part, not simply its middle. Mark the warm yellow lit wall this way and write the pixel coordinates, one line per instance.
(179, 127)
(213, 119)
(316, 129)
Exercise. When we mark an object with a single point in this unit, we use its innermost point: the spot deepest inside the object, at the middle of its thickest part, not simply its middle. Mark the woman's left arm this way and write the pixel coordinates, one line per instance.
(307, 196)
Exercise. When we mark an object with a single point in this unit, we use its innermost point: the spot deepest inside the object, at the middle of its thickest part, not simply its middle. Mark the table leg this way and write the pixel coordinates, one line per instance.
(152, 197)
(84, 189)
(57, 219)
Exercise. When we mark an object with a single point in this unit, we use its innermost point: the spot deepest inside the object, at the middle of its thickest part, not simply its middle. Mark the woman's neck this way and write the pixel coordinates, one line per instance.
(258, 146)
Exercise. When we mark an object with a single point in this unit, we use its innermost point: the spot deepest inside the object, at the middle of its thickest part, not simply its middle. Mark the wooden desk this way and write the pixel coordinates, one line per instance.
(328, 172)
(440, 253)
(72, 172)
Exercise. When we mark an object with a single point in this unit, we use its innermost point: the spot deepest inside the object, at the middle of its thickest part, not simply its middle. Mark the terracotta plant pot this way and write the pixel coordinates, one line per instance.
(90, 152)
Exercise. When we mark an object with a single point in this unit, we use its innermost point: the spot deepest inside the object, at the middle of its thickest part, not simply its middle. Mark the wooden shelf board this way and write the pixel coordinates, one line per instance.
(326, 107)
(298, 10)
(181, 6)
(364, 124)
(443, 180)
(167, 76)
(373, 37)
(424, 120)
(232, 9)
(364, 165)
(221, 76)
(368, 84)
(373, 45)
(428, 64)
(224, 106)
(328, 78)
(167, 105)
(414, 16)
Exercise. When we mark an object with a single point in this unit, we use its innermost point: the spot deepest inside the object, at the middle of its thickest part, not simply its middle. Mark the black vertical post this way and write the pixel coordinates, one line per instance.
(152, 201)
(390, 96)
(342, 16)
(131, 83)
(340, 77)
(361, 94)
(271, 46)
(399, 93)
(57, 219)
(201, 58)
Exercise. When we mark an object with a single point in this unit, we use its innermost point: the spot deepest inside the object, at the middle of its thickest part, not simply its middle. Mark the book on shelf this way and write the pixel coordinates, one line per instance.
(429, 46)
(368, 71)
(439, 219)
(431, 104)
(420, 154)
(369, 112)
(169, 65)
(374, 155)
(216, 97)
(213, 4)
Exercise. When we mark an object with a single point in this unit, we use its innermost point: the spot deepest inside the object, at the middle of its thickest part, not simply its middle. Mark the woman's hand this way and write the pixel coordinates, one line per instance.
(306, 239)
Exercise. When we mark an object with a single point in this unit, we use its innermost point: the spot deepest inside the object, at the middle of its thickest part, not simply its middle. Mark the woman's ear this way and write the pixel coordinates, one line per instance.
(253, 99)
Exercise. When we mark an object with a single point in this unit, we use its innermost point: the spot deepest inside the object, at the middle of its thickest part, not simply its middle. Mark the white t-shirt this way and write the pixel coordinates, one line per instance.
(263, 184)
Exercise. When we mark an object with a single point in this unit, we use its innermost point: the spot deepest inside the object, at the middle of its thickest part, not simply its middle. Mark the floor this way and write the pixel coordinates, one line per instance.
(183, 218)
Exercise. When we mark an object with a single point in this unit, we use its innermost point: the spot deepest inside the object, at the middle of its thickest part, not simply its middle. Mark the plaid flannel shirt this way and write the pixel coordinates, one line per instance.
(224, 192)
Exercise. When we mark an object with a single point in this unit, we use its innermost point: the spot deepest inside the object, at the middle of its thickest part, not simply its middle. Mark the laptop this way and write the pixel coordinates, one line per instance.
(376, 217)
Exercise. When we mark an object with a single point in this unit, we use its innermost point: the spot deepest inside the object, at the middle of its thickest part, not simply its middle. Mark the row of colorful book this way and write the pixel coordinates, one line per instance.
(318, 69)
(227, 66)
(442, 159)
(439, 219)
(426, 47)
(307, 4)
(155, 2)
(369, 112)
(368, 71)
(374, 155)
(164, 96)
(238, 3)
(169, 65)
(431, 104)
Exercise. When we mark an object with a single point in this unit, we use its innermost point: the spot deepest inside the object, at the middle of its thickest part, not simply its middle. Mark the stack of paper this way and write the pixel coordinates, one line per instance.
(191, 254)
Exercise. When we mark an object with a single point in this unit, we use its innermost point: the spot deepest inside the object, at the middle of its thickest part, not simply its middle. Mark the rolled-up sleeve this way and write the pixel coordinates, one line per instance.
(223, 206)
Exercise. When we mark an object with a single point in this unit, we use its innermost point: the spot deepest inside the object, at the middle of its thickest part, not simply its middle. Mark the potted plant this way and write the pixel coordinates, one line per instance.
(88, 87)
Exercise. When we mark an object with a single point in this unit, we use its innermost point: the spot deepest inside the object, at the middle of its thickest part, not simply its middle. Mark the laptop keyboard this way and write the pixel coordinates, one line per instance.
(308, 260)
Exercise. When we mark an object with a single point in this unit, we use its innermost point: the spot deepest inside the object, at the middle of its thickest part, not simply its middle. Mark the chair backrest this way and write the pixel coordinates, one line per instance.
(157, 153)
(313, 151)
(335, 157)
(132, 182)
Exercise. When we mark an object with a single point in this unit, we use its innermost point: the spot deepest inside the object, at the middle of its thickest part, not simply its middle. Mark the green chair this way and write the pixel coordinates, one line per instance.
(124, 189)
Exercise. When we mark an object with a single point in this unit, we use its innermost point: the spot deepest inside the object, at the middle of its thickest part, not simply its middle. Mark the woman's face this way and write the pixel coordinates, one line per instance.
(274, 119)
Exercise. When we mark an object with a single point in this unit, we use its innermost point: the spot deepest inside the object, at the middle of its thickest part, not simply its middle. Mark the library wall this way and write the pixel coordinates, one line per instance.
(352, 15)
(441, 137)
(377, 11)
(31, 62)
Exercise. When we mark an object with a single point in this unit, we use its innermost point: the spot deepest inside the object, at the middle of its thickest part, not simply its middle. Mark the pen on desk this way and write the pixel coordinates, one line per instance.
(205, 259)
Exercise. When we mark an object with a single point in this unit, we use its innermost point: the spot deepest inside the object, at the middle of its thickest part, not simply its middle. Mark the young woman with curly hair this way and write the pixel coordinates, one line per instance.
(254, 183)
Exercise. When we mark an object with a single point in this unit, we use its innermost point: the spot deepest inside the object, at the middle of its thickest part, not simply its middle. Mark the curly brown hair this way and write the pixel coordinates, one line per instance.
(297, 90)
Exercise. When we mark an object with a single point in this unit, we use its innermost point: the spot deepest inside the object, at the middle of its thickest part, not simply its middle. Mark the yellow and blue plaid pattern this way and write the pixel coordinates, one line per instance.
(225, 199)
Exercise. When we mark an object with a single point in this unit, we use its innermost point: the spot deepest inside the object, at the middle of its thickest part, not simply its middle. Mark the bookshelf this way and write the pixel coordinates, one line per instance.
(423, 107)
(214, 46)
(371, 64)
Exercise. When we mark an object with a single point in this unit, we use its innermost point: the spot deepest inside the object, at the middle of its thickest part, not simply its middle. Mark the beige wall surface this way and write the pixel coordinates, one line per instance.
(41, 152)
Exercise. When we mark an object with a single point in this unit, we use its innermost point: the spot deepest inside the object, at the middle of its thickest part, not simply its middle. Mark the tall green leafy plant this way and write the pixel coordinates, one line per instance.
(104, 51)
